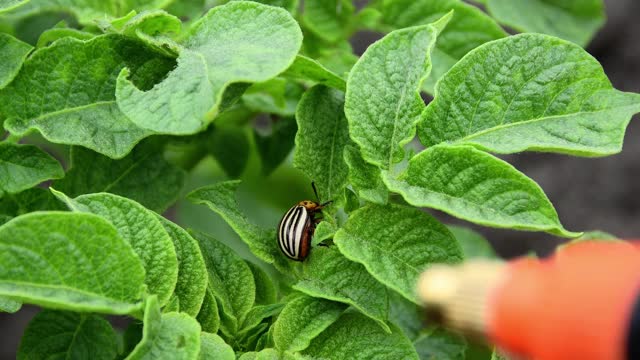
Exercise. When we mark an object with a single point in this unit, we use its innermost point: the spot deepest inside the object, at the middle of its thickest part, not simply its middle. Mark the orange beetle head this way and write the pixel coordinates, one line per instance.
(310, 205)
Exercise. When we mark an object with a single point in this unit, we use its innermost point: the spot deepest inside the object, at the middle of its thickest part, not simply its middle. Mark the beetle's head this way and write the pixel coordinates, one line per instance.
(309, 205)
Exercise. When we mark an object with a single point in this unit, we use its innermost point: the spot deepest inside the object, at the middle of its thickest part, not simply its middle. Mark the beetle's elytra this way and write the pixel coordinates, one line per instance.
(297, 227)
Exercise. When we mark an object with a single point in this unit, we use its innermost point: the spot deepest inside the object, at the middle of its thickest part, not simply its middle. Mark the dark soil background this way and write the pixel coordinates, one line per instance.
(601, 194)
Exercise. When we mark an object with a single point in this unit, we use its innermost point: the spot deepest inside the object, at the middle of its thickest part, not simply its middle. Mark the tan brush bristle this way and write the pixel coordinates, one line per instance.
(459, 294)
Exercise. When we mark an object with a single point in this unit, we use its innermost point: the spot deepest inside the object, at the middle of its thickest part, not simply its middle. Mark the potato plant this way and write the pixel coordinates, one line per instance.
(146, 164)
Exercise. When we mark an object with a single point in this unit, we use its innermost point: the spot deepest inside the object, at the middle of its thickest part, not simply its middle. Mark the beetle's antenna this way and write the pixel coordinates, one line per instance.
(315, 191)
(326, 203)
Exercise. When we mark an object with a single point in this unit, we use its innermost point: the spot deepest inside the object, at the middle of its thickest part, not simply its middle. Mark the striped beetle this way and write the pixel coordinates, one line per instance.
(296, 228)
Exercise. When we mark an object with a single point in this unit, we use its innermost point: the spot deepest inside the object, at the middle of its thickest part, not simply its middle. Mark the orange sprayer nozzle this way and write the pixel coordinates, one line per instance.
(577, 304)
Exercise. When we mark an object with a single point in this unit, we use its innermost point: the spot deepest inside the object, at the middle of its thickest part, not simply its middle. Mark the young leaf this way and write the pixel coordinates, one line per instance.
(438, 343)
(257, 314)
(468, 28)
(49, 36)
(8, 305)
(266, 292)
(236, 42)
(14, 52)
(24, 166)
(473, 244)
(140, 228)
(191, 283)
(56, 93)
(325, 230)
(304, 68)
(322, 135)
(221, 199)
(560, 102)
(396, 243)
(212, 347)
(275, 147)
(329, 275)
(167, 336)
(143, 175)
(576, 21)
(355, 336)
(302, 319)
(230, 278)
(68, 335)
(383, 103)
(365, 178)
(328, 19)
(69, 261)
(208, 317)
(276, 96)
(229, 145)
(478, 187)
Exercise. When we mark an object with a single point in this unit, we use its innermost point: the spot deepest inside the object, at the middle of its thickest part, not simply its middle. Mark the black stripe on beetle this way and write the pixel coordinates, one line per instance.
(297, 227)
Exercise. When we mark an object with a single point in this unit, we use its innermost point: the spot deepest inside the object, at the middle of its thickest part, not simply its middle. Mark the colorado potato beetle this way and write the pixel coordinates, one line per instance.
(297, 227)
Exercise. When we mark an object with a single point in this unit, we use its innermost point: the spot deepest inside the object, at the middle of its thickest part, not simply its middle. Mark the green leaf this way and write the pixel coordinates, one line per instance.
(230, 278)
(303, 319)
(140, 228)
(405, 314)
(24, 166)
(275, 147)
(212, 347)
(355, 336)
(57, 93)
(478, 187)
(49, 36)
(68, 335)
(365, 178)
(438, 343)
(167, 336)
(325, 230)
(561, 102)
(14, 52)
(383, 103)
(573, 20)
(69, 261)
(143, 175)
(229, 145)
(290, 5)
(221, 198)
(30, 200)
(473, 244)
(266, 292)
(8, 5)
(237, 42)
(276, 96)
(467, 29)
(208, 317)
(304, 68)
(497, 356)
(328, 19)
(322, 135)
(191, 283)
(329, 275)
(396, 243)
(8, 305)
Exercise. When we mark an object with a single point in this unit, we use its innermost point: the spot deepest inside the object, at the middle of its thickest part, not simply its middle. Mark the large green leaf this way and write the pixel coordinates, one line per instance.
(30, 200)
(396, 243)
(67, 94)
(167, 336)
(238, 42)
(468, 28)
(355, 336)
(69, 261)
(143, 175)
(437, 343)
(140, 228)
(478, 187)
(212, 347)
(192, 282)
(329, 275)
(230, 279)
(328, 19)
(14, 52)
(322, 135)
(574, 20)
(68, 335)
(383, 103)
(302, 319)
(406, 315)
(8, 5)
(24, 166)
(529, 92)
